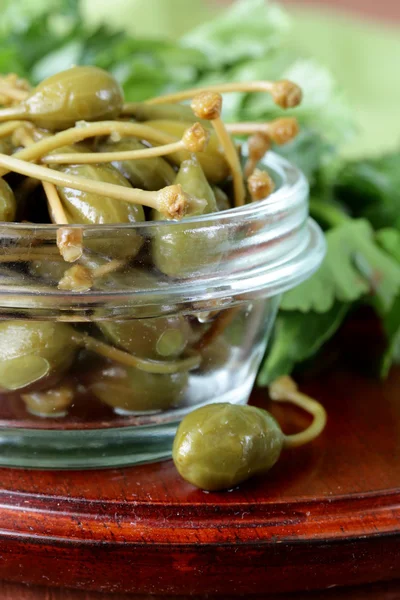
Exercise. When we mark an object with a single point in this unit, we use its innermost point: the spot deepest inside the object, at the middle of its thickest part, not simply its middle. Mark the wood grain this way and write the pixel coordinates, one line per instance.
(328, 514)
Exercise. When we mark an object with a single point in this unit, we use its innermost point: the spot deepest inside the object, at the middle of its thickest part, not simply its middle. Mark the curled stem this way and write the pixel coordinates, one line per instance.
(83, 131)
(208, 105)
(171, 201)
(194, 139)
(130, 360)
(284, 93)
(284, 389)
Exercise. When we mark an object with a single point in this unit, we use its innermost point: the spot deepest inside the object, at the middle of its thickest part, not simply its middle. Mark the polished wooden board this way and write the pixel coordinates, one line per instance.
(327, 515)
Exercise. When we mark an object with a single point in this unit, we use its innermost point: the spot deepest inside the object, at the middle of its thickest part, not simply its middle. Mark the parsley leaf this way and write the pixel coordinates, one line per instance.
(353, 267)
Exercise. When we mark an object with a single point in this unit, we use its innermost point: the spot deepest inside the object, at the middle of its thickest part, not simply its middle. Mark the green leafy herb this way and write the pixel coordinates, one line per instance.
(371, 189)
(354, 266)
(391, 327)
(250, 29)
(389, 240)
(296, 337)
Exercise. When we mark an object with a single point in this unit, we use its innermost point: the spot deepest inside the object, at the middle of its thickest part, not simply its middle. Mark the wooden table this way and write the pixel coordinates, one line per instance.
(328, 515)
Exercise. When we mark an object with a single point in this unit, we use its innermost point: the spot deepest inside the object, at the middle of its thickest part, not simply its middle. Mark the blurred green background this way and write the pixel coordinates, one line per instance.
(363, 56)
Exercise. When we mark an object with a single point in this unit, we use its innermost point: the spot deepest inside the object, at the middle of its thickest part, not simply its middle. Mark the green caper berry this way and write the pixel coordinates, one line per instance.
(218, 446)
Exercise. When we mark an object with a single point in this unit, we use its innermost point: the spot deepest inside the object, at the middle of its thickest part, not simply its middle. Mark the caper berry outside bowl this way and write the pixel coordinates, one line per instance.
(102, 355)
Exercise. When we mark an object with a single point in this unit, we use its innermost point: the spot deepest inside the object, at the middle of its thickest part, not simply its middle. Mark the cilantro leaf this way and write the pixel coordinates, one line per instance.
(296, 337)
(353, 267)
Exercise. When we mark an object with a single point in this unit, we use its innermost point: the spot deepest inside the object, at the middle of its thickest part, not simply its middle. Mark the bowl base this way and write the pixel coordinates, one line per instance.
(97, 444)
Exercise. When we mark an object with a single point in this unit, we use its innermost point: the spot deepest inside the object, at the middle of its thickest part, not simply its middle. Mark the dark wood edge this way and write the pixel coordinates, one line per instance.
(323, 520)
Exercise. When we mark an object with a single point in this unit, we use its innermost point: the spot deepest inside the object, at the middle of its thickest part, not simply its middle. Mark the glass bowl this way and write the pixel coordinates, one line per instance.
(101, 358)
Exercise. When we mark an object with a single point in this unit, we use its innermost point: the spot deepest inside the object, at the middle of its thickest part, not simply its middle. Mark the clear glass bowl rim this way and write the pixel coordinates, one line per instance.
(286, 210)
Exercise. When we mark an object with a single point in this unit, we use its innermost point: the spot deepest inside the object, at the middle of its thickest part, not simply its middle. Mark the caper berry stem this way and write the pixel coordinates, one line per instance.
(171, 201)
(107, 157)
(257, 145)
(80, 278)
(110, 267)
(280, 130)
(12, 112)
(9, 127)
(284, 389)
(208, 105)
(69, 241)
(194, 139)
(27, 256)
(22, 137)
(58, 214)
(284, 93)
(130, 360)
(85, 130)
